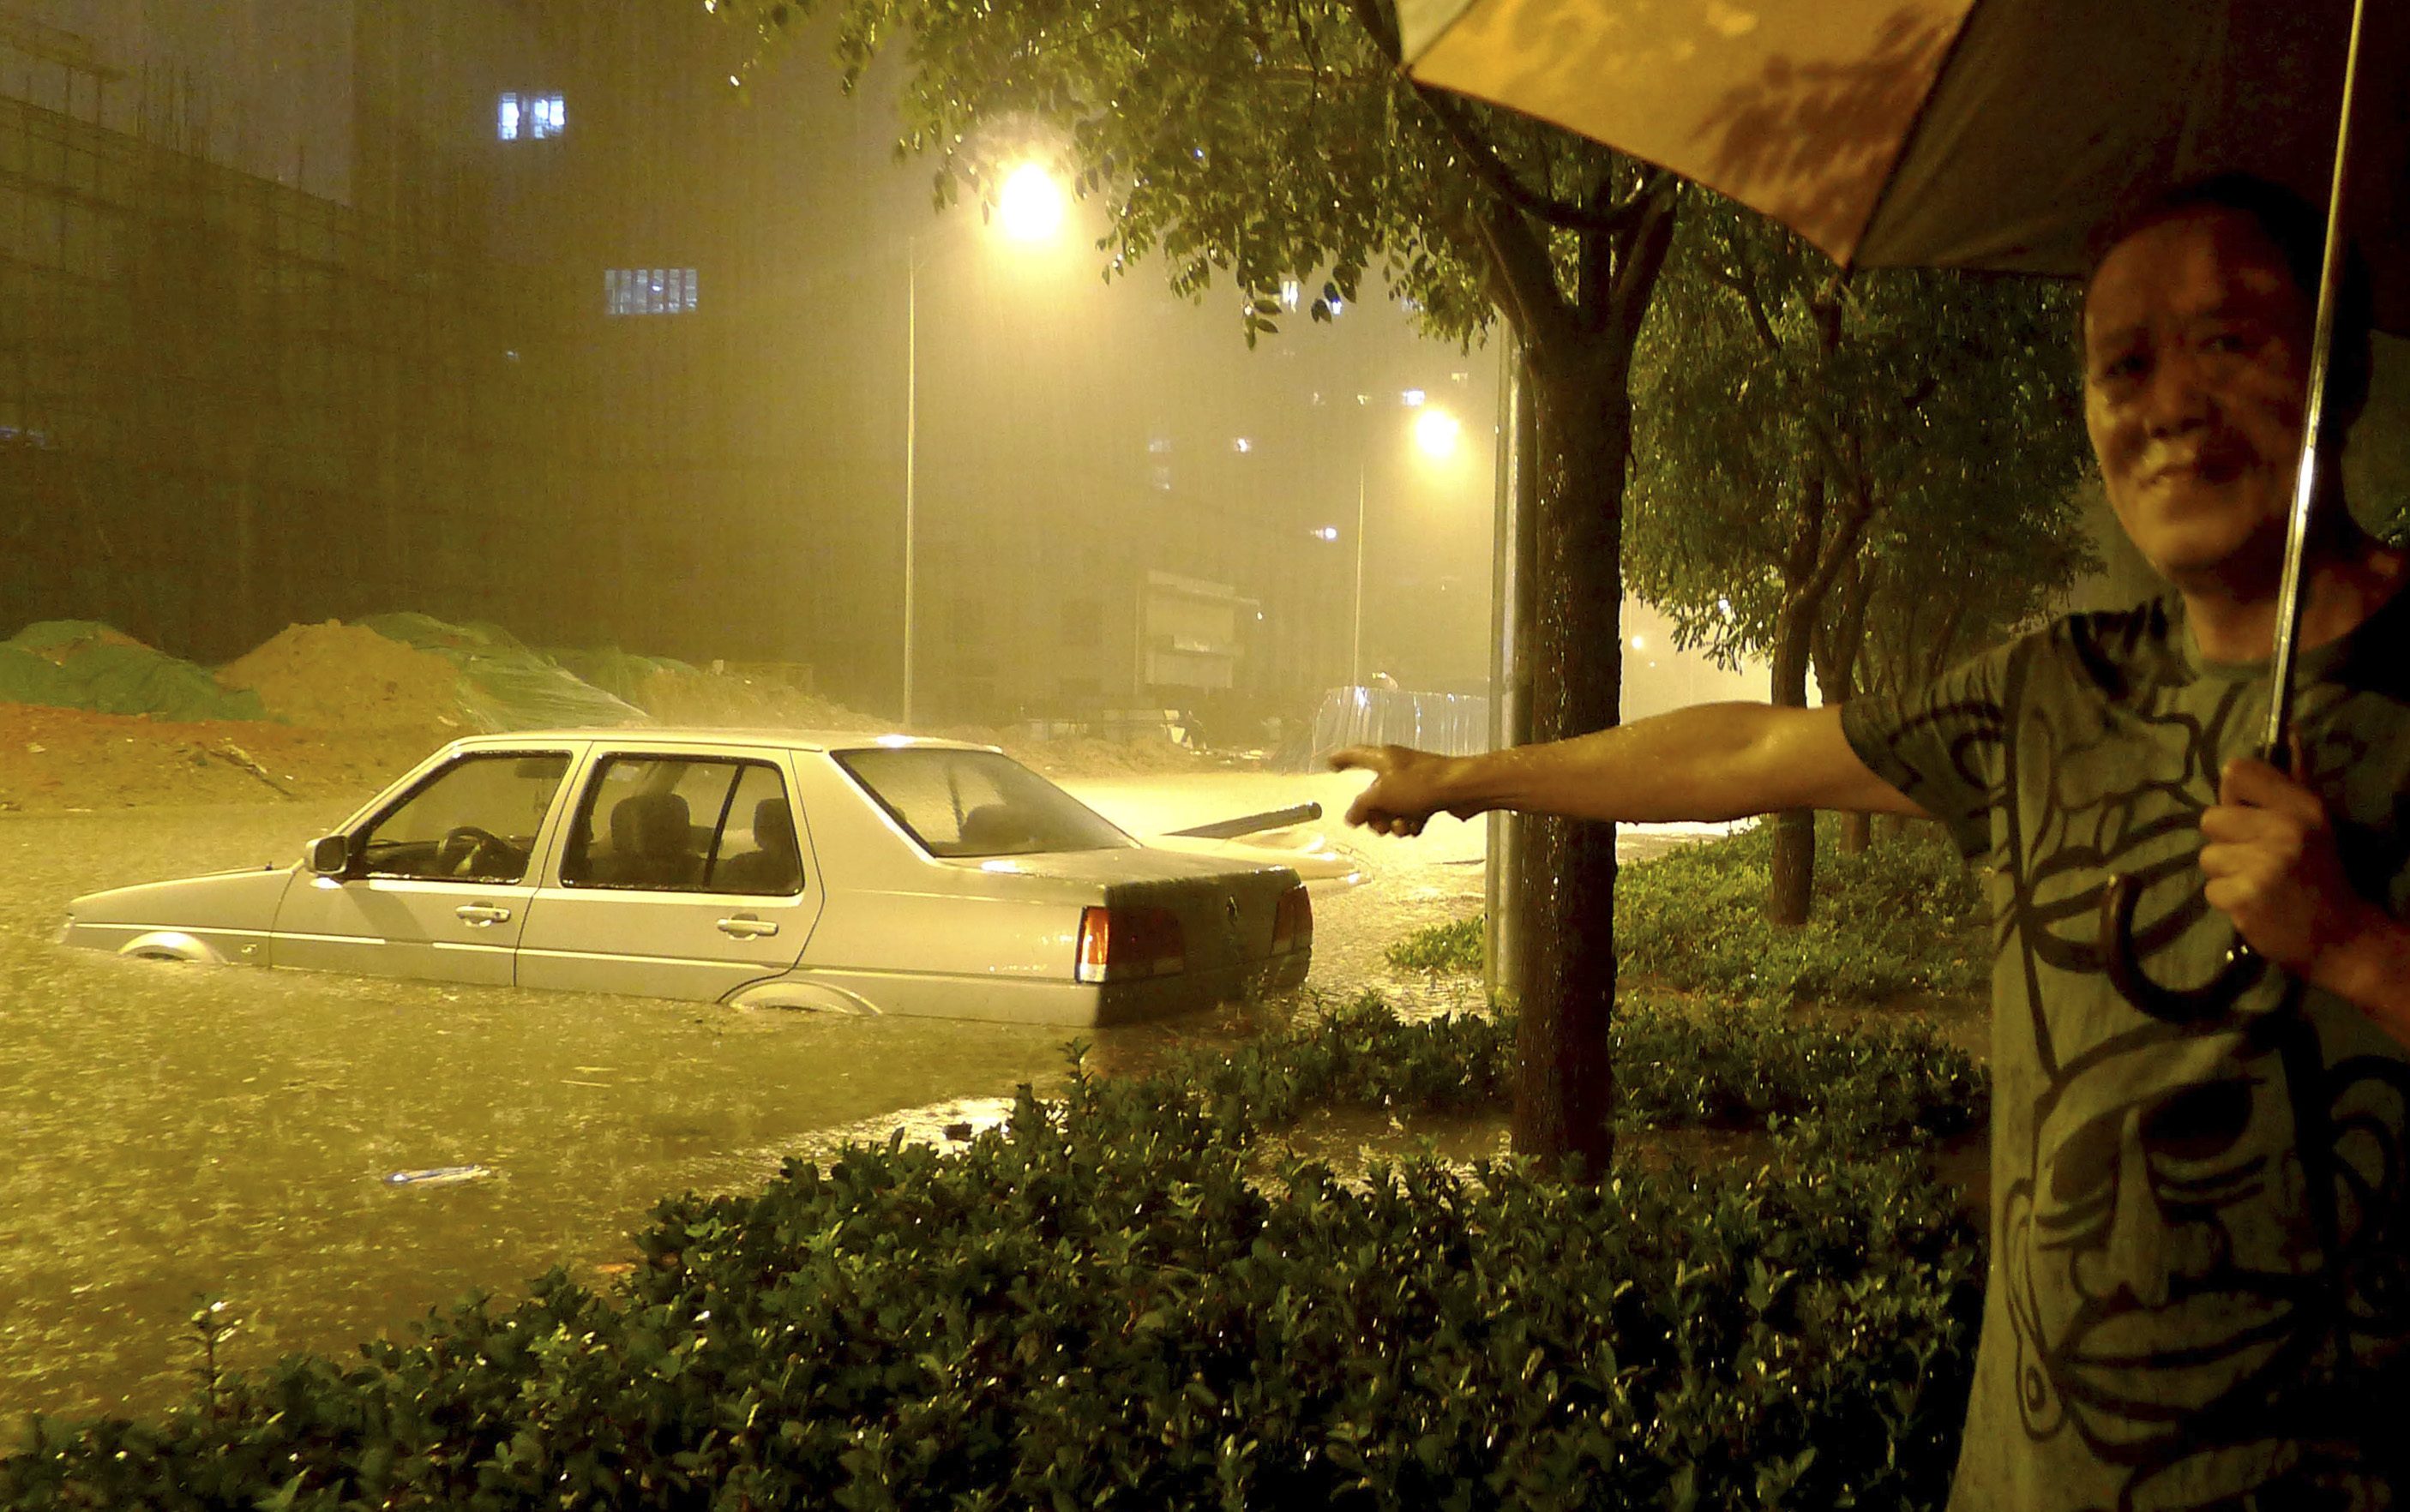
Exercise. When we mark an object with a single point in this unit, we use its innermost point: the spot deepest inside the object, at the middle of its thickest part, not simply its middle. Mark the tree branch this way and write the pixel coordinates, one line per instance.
(1659, 199)
(1747, 288)
(1380, 23)
(1523, 282)
(1494, 171)
(1843, 543)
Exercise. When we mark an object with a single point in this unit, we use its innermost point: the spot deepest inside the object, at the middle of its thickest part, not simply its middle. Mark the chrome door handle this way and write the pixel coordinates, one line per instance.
(481, 914)
(745, 927)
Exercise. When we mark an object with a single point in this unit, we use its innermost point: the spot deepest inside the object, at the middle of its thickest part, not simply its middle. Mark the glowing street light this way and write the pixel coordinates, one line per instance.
(1437, 432)
(1030, 205)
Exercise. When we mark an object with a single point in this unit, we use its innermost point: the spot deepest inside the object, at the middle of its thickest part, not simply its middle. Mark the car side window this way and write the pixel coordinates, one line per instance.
(680, 824)
(474, 821)
(759, 852)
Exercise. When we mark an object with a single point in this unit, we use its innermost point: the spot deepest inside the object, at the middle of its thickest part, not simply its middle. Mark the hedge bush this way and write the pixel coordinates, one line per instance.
(1905, 917)
(1105, 1303)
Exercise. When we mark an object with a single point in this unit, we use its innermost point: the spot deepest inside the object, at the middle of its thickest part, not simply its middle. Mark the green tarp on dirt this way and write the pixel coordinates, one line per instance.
(504, 685)
(83, 664)
(620, 673)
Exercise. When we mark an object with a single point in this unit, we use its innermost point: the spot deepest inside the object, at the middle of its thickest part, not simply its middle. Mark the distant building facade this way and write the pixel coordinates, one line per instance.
(524, 314)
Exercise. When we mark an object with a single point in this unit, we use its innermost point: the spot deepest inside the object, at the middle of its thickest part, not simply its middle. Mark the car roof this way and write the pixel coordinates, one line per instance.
(779, 740)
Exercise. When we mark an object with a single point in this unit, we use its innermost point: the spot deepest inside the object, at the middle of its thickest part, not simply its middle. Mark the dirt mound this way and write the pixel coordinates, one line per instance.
(1085, 756)
(745, 701)
(1088, 756)
(58, 640)
(347, 676)
(54, 759)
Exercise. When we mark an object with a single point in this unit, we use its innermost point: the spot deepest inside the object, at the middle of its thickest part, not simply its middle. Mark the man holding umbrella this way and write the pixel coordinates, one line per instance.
(2200, 1285)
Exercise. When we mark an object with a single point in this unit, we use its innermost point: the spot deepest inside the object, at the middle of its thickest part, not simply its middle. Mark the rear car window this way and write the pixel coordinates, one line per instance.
(685, 824)
(975, 803)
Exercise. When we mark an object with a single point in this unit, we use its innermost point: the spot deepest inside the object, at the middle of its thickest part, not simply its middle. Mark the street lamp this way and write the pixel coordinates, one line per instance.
(1030, 207)
(1437, 435)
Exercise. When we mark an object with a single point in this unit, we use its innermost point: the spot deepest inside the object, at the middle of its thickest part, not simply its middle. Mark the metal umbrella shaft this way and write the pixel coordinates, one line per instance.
(2276, 748)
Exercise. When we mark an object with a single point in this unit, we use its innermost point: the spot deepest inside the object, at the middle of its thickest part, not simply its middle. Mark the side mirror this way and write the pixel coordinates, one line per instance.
(329, 856)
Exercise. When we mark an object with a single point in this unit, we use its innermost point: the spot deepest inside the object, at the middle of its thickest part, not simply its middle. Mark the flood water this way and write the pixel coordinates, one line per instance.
(175, 1130)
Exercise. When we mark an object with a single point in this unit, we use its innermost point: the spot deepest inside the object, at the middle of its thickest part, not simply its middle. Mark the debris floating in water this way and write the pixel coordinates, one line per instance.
(440, 1175)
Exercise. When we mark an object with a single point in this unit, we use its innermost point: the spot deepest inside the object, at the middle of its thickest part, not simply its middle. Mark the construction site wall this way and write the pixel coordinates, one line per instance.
(226, 404)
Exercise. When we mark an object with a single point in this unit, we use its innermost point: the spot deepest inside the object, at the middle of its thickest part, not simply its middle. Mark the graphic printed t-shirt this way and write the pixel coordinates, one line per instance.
(2199, 1285)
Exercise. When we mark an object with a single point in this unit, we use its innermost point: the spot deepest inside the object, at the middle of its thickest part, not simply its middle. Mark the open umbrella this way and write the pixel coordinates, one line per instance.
(1983, 133)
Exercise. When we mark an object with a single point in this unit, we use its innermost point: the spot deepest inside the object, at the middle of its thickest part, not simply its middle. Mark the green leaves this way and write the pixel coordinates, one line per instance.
(1794, 431)
(1903, 918)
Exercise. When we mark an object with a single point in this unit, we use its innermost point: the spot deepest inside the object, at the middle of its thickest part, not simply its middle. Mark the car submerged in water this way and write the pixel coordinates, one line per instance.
(781, 869)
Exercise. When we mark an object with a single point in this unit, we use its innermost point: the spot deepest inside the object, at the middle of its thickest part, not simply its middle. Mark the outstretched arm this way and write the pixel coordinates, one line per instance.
(1714, 761)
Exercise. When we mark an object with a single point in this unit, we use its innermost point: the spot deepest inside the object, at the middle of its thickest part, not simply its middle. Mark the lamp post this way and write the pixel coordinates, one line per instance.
(1030, 207)
(1355, 613)
(1436, 434)
(911, 451)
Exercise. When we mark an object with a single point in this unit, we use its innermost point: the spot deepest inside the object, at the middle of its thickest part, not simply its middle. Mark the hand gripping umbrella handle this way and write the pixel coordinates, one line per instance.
(2242, 968)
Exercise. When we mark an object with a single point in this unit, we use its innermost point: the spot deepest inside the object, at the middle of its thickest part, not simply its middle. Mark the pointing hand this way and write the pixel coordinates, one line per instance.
(1408, 787)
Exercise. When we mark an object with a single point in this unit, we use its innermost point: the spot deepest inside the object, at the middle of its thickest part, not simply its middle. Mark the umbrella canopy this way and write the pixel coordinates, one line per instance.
(1980, 134)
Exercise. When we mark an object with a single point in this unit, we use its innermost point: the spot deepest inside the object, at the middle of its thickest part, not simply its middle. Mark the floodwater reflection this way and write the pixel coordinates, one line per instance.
(174, 1130)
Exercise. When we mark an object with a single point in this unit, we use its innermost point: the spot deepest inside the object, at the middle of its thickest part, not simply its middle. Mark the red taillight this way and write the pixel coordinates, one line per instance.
(1119, 943)
(1293, 922)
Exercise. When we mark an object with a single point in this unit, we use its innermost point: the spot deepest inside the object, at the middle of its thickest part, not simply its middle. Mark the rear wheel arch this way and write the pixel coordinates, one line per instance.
(803, 997)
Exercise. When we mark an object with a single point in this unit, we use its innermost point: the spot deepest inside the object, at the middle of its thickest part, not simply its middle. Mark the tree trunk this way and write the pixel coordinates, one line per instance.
(1839, 648)
(1794, 830)
(1834, 674)
(1566, 972)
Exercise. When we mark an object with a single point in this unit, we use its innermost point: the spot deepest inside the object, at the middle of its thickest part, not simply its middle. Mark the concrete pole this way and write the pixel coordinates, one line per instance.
(1356, 640)
(912, 448)
(1514, 551)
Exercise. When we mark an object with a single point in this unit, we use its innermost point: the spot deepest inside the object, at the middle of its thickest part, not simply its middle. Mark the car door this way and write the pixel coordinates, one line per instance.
(682, 875)
(440, 879)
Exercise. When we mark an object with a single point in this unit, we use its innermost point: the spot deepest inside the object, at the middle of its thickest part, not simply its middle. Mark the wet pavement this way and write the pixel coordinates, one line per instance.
(175, 1130)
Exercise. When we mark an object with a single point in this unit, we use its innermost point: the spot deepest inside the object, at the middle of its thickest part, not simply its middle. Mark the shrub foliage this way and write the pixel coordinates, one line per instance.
(1904, 917)
(1111, 1301)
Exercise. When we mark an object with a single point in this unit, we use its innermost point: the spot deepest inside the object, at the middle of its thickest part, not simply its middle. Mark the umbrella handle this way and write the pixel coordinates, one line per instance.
(2241, 970)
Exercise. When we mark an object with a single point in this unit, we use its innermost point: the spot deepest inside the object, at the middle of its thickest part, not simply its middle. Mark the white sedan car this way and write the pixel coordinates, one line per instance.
(840, 873)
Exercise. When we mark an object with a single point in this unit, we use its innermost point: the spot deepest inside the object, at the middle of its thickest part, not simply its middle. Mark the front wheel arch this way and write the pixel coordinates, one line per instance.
(171, 946)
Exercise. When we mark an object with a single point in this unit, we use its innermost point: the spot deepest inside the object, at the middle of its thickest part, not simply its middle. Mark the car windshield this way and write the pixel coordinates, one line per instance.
(974, 804)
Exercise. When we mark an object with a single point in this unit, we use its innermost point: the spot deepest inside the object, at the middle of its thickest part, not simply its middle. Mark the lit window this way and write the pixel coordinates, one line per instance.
(1242, 445)
(1160, 476)
(650, 291)
(1291, 292)
(533, 116)
(1412, 398)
